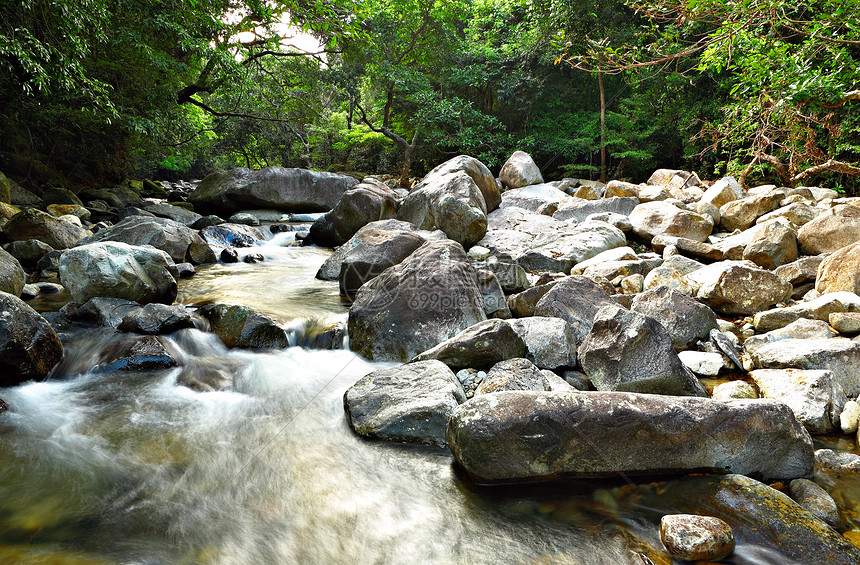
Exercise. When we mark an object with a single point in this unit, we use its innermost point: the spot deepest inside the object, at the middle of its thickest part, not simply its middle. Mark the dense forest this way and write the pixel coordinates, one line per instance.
(94, 91)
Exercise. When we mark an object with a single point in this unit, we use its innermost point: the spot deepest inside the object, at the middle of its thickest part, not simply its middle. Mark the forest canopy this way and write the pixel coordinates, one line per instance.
(94, 91)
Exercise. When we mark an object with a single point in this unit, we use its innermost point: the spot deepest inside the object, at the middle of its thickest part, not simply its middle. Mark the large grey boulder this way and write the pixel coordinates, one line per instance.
(533, 197)
(798, 329)
(686, 319)
(475, 169)
(515, 374)
(478, 347)
(830, 231)
(452, 203)
(411, 403)
(431, 296)
(519, 170)
(575, 299)
(815, 396)
(364, 203)
(374, 251)
(119, 270)
(663, 218)
(561, 249)
(157, 319)
(549, 342)
(838, 355)
(524, 435)
(801, 271)
(518, 219)
(736, 288)
(290, 190)
(12, 276)
(723, 191)
(774, 244)
(579, 209)
(232, 235)
(28, 252)
(29, 346)
(35, 224)
(628, 351)
(183, 244)
(840, 271)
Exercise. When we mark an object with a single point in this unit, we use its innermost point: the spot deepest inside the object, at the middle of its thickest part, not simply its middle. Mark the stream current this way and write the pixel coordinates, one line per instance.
(132, 468)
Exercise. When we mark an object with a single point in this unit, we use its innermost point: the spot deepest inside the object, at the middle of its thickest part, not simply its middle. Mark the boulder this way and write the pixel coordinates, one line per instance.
(28, 251)
(240, 326)
(802, 328)
(452, 203)
(373, 251)
(549, 342)
(840, 271)
(691, 538)
(736, 288)
(495, 305)
(816, 501)
(832, 230)
(575, 299)
(100, 311)
(157, 319)
(12, 276)
(35, 224)
(816, 309)
(478, 347)
(431, 296)
(514, 374)
(797, 214)
(686, 319)
(411, 403)
(137, 353)
(533, 198)
(628, 351)
(520, 219)
(774, 244)
(723, 191)
(734, 390)
(528, 435)
(29, 346)
(702, 363)
(232, 235)
(840, 356)
(360, 205)
(179, 241)
(688, 247)
(662, 218)
(741, 214)
(846, 323)
(175, 213)
(615, 254)
(289, 190)
(579, 209)
(801, 271)
(523, 303)
(475, 169)
(120, 270)
(815, 396)
(519, 170)
(561, 249)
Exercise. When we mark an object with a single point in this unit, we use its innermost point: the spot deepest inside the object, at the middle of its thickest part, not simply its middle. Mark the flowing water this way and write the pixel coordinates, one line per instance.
(134, 469)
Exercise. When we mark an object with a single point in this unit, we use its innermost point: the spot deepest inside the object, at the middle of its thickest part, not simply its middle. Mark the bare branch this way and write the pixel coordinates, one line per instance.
(829, 165)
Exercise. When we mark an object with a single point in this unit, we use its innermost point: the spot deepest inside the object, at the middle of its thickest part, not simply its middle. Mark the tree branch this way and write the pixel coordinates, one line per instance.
(829, 165)
(218, 114)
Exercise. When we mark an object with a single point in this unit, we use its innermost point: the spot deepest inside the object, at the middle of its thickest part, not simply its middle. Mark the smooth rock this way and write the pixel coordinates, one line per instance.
(702, 363)
(528, 435)
(580, 209)
(846, 323)
(560, 250)
(519, 170)
(156, 319)
(138, 353)
(662, 218)
(360, 205)
(179, 241)
(35, 224)
(830, 231)
(850, 417)
(29, 346)
(534, 198)
(373, 251)
(475, 169)
(741, 214)
(240, 326)
(816, 501)
(692, 538)
(12, 275)
(410, 403)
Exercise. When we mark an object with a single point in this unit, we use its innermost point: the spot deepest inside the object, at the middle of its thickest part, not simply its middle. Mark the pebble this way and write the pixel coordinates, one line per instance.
(693, 538)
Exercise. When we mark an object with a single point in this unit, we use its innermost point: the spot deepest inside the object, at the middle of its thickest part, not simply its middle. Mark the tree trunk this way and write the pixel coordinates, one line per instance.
(602, 126)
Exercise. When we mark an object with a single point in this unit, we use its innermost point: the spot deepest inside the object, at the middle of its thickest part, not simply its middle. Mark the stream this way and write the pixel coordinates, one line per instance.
(132, 468)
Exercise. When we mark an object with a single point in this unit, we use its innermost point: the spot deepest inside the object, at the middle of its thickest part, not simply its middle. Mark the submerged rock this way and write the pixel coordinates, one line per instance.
(524, 435)
(143, 353)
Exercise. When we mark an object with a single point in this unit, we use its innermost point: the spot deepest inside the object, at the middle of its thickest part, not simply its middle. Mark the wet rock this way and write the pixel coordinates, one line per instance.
(253, 258)
(411, 403)
(364, 203)
(628, 351)
(156, 319)
(741, 214)
(575, 299)
(549, 342)
(774, 244)
(233, 235)
(519, 170)
(372, 251)
(816, 309)
(289, 190)
(580, 209)
(686, 319)
(229, 255)
(692, 538)
(208, 375)
(205, 222)
(830, 231)
(180, 242)
(736, 288)
(244, 218)
(561, 249)
(240, 326)
(478, 347)
(527, 435)
(144, 353)
(29, 346)
(840, 271)
(816, 501)
(477, 170)
(827, 461)
(118, 270)
(514, 374)
(12, 276)
(100, 311)
(431, 296)
(452, 203)
(815, 396)
(841, 356)
(35, 224)
(662, 218)
(734, 390)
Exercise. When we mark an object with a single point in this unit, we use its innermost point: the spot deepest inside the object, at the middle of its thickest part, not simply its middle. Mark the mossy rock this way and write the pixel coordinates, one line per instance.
(5, 190)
